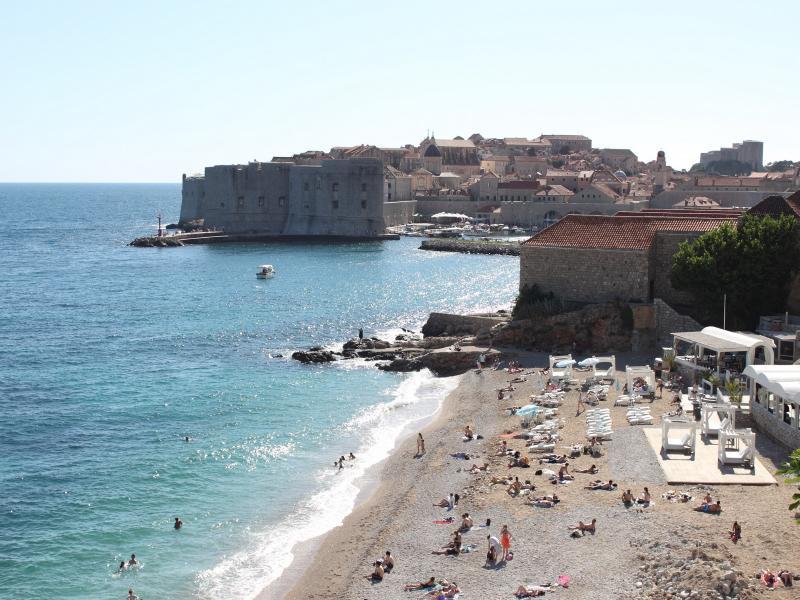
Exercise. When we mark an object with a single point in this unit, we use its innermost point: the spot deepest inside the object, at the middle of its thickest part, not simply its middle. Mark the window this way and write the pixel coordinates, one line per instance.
(281, 200)
(306, 187)
(261, 201)
(364, 187)
(335, 188)
(363, 204)
(335, 204)
(240, 202)
(390, 195)
(390, 185)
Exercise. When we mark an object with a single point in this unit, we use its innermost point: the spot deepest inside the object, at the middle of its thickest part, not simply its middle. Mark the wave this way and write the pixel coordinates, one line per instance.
(270, 551)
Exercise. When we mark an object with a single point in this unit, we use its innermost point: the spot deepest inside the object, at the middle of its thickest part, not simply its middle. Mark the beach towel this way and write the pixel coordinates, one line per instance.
(508, 436)
(468, 548)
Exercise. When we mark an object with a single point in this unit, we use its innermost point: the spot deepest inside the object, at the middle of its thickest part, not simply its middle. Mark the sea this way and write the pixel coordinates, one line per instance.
(112, 356)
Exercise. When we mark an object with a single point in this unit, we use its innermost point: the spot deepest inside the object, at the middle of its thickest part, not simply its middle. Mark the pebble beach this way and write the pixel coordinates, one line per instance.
(666, 550)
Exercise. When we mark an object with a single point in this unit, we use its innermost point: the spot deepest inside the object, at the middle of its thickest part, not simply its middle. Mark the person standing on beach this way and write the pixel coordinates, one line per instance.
(360, 334)
(505, 541)
(581, 405)
(494, 549)
(481, 360)
(420, 445)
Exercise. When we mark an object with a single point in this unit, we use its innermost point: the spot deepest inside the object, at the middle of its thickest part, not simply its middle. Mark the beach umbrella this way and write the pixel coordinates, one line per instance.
(565, 363)
(588, 362)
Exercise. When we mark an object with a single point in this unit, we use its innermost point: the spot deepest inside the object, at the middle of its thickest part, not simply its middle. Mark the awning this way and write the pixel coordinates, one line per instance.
(710, 341)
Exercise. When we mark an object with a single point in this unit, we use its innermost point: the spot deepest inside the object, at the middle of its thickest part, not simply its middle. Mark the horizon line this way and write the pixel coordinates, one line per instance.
(88, 182)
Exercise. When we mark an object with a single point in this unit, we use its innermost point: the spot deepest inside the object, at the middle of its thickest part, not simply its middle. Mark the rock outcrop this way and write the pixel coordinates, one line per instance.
(314, 355)
(154, 241)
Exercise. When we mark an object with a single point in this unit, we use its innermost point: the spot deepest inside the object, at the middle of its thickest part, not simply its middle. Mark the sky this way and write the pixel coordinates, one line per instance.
(145, 91)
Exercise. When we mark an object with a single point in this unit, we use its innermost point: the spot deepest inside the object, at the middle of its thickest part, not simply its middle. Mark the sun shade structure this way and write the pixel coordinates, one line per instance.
(678, 435)
(737, 448)
(716, 418)
(636, 376)
(556, 373)
(775, 400)
(604, 367)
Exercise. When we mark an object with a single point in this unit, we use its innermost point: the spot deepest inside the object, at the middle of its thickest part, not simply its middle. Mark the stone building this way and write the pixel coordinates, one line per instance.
(619, 158)
(750, 152)
(571, 143)
(628, 256)
(529, 166)
(485, 188)
(568, 179)
(457, 156)
(334, 198)
(523, 190)
(396, 185)
(421, 180)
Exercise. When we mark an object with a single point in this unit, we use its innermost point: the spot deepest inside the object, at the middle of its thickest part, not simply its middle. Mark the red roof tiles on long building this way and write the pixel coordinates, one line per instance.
(619, 232)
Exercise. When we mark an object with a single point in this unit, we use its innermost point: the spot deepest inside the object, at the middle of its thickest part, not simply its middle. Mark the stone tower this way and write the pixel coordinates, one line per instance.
(662, 173)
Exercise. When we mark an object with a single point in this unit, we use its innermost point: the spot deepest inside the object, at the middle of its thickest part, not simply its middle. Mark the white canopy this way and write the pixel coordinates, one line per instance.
(721, 340)
(645, 373)
(781, 380)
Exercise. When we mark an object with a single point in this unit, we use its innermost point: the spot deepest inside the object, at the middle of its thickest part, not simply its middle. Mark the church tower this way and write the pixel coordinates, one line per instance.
(662, 173)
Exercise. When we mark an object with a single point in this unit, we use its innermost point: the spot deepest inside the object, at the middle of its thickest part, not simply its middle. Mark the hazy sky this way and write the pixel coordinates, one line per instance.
(145, 91)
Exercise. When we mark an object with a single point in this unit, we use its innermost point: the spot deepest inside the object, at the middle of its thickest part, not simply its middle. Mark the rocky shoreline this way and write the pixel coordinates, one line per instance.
(472, 246)
(448, 345)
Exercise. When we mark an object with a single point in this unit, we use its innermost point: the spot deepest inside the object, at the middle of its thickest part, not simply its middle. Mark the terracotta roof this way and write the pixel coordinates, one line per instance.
(573, 138)
(618, 232)
(778, 205)
(555, 190)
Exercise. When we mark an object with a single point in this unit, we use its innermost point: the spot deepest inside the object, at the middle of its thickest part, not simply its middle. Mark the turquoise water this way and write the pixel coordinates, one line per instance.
(110, 356)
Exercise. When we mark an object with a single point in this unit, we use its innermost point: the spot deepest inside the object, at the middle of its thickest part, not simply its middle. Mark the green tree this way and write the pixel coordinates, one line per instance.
(792, 471)
(752, 264)
(780, 165)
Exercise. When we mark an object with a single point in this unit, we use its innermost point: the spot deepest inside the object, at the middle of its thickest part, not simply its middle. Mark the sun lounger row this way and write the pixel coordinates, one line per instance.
(639, 416)
(598, 423)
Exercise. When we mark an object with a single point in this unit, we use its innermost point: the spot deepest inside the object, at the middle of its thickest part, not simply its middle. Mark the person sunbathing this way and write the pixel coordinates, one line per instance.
(645, 498)
(460, 455)
(627, 498)
(514, 488)
(548, 501)
(420, 585)
(554, 458)
(602, 485)
(468, 433)
(713, 508)
(584, 528)
(502, 480)
(466, 522)
(453, 548)
(476, 469)
(502, 449)
(522, 462)
(533, 591)
(448, 590)
(591, 470)
(377, 574)
(563, 473)
(448, 502)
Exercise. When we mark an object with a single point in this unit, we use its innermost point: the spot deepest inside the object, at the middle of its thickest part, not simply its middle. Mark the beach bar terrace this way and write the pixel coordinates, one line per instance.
(727, 353)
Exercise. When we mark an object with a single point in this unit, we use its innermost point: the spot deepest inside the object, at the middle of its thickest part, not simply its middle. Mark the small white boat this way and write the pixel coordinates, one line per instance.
(265, 272)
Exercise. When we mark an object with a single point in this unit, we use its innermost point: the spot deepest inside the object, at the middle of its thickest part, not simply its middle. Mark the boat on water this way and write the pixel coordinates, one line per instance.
(265, 272)
(445, 232)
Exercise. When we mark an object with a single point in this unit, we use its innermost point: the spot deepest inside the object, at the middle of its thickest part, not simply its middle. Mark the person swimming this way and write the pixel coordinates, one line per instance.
(132, 562)
(178, 523)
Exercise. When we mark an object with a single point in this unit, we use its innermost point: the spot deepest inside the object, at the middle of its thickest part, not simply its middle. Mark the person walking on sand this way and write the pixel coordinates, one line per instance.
(581, 405)
(420, 445)
(736, 532)
(505, 542)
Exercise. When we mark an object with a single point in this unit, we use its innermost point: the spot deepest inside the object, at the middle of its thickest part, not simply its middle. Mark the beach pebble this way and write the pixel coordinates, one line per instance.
(638, 584)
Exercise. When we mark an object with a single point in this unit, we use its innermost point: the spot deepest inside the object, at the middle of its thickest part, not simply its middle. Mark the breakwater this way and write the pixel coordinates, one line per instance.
(472, 246)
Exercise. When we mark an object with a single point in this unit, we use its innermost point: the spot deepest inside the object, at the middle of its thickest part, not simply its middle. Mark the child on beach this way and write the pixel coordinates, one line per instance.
(420, 445)
(505, 541)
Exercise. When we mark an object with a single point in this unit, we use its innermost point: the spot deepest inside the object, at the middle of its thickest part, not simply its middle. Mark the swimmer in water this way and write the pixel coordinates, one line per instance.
(133, 561)
(186, 439)
(121, 567)
(131, 595)
(352, 456)
(178, 523)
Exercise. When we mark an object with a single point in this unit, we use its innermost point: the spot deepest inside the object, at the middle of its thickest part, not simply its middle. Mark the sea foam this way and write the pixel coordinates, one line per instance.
(268, 552)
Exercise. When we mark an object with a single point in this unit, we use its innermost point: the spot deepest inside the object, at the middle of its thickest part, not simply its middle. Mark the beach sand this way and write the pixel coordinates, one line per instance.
(657, 552)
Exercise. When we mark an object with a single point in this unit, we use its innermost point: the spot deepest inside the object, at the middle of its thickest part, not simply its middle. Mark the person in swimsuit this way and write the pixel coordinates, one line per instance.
(627, 498)
(736, 532)
(178, 523)
(420, 585)
(505, 541)
(132, 561)
(388, 562)
(583, 528)
(420, 445)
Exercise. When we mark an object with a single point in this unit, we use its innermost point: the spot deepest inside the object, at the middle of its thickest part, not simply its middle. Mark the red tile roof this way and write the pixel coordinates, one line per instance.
(778, 205)
(619, 232)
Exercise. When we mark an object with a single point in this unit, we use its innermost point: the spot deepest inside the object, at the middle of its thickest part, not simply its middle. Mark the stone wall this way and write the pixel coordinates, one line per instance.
(587, 275)
(669, 321)
(725, 198)
(527, 214)
(665, 245)
(772, 424)
(398, 213)
(429, 205)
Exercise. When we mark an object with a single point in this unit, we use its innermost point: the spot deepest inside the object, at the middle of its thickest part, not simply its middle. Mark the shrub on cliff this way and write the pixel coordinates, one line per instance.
(532, 303)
